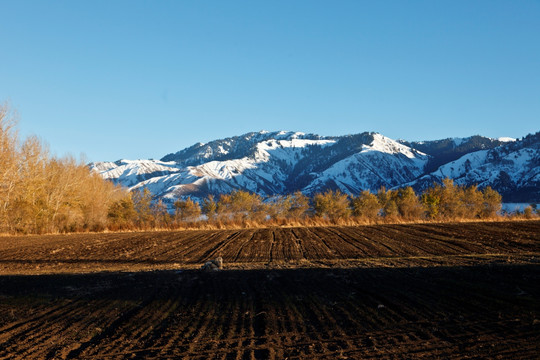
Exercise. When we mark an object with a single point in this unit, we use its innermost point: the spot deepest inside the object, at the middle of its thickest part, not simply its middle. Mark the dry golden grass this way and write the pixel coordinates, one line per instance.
(314, 222)
(287, 223)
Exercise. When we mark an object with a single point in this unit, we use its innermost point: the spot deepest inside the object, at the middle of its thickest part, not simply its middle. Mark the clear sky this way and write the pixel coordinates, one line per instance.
(140, 79)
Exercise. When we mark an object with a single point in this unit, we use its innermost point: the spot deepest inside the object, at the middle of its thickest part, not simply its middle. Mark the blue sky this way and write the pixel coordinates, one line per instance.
(140, 79)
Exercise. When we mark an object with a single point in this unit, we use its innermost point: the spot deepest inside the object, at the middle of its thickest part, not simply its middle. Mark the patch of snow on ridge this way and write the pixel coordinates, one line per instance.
(222, 169)
(384, 162)
(285, 150)
(127, 168)
(460, 167)
(103, 166)
(386, 145)
(459, 141)
(294, 143)
(506, 139)
(131, 172)
(279, 149)
(288, 135)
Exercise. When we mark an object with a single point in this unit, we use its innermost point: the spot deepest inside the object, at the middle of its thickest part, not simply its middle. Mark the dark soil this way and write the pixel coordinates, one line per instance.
(437, 291)
(275, 248)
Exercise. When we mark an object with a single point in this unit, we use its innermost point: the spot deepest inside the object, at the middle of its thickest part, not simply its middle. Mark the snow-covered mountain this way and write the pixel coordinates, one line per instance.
(513, 169)
(446, 150)
(271, 163)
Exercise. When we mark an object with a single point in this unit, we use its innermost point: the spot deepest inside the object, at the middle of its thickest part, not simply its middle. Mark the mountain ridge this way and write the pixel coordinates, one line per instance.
(281, 162)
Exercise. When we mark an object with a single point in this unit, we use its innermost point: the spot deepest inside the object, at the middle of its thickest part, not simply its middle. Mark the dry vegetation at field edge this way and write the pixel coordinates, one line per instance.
(332, 246)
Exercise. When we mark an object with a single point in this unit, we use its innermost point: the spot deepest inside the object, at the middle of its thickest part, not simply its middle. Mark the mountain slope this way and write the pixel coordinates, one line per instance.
(272, 163)
(513, 169)
(380, 162)
(450, 149)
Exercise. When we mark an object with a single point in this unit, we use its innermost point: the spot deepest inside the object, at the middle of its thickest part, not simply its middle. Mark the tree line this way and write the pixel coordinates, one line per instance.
(441, 202)
(40, 193)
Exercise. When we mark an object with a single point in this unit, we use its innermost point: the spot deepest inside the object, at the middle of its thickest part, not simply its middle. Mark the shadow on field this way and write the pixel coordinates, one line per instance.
(438, 312)
(509, 283)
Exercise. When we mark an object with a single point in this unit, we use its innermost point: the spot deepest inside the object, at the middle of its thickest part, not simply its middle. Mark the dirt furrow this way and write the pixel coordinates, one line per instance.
(378, 291)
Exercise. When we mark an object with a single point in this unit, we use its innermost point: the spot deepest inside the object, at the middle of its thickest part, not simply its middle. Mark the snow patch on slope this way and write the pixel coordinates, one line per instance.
(490, 168)
(130, 172)
(386, 145)
(384, 162)
(460, 141)
(506, 139)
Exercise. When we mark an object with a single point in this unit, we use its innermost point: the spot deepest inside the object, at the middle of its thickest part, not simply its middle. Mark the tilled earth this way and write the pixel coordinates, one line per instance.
(467, 290)
(338, 246)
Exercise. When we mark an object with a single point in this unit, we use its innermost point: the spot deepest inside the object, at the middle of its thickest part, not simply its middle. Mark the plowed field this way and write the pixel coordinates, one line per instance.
(371, 246)
(388, 291)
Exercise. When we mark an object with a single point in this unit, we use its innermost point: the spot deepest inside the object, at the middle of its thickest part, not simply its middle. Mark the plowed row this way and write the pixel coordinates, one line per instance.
(438, 312)
(384, 292)
(381, 245)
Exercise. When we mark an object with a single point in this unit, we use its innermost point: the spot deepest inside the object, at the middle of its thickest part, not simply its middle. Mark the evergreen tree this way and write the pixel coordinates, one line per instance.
(122, 214)
(431, 200)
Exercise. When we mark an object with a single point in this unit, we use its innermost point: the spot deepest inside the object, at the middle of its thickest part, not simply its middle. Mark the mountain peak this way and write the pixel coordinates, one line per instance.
(281, 162)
